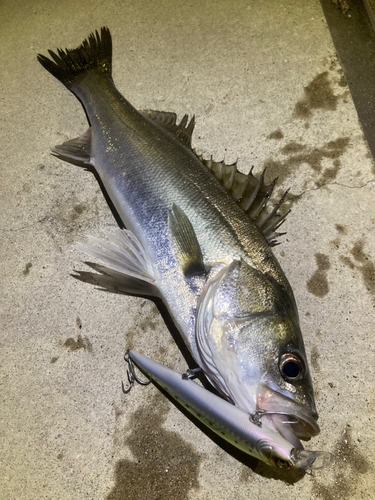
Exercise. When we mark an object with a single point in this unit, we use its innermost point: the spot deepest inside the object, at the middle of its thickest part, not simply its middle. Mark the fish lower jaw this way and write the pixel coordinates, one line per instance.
(290, 427)
(283, 412)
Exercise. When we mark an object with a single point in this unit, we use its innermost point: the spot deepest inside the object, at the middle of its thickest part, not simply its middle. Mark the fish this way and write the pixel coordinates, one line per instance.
(199, 235)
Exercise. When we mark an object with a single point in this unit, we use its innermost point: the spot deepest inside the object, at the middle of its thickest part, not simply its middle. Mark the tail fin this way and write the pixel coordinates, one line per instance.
(94, 52)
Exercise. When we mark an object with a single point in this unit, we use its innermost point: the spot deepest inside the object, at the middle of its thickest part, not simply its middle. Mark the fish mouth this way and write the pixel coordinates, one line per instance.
(289, 418)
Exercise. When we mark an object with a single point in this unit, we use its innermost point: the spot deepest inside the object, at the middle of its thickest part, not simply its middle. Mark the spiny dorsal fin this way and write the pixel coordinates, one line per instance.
(183, 130)
(185, 241)
(251, 194)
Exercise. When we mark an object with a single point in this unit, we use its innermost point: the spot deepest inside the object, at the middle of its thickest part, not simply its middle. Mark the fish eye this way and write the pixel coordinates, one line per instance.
(291, 367)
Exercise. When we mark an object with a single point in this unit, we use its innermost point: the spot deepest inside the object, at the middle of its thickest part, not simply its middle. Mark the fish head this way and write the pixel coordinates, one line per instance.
(251, 349)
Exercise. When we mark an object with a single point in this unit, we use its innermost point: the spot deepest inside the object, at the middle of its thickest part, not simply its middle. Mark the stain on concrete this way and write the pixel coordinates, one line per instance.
(358, 253)
(26, 271)
(348, 463)
(78, 208)
(276, 134)
(147, 323)
(318, 95)
(26, 187)
(342, 81)
(293, 147)
(150, 323)
(67, 214)
(53, 360)
(341, 229)
(336, 242)
(162, 354)
(342, 6)
(60, 456)
(78, 322)
(347, 262)
(329, 174)
(118, 435)
(164, 465)
(81, 343)
(318, 283)
(367, 269)
(314, 358)
(300, 154)
(74, 213)
(279, 169)
(363, 264)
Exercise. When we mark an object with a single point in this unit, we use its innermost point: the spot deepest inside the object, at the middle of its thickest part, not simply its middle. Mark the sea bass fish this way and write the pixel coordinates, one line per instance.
(198, 236)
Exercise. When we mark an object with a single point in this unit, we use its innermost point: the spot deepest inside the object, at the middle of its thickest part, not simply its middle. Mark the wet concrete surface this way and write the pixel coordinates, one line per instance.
(266, 86)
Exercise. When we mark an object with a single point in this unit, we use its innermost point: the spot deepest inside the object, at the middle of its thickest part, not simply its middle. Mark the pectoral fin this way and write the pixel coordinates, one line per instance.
(127, 267)
(185, 241)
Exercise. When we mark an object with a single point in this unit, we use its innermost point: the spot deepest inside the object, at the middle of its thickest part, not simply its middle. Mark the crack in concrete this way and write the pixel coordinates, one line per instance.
(331, 184)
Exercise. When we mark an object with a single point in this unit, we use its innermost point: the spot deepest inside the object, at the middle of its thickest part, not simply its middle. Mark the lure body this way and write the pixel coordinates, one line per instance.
(228, 421)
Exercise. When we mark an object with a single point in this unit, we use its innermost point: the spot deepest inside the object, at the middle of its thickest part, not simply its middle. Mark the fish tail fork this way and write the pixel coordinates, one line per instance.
(95, 52)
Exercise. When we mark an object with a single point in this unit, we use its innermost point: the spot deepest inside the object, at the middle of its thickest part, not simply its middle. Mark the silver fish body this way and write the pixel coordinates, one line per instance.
(198, 236)
(146, 171)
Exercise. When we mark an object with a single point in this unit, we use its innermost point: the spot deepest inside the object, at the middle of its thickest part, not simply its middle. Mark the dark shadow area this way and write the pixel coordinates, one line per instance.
(354, 41)
(163, 465)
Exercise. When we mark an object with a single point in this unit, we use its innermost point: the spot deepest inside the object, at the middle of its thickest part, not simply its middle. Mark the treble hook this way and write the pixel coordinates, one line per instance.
(257, 415)
(191, 373)
(132, 377)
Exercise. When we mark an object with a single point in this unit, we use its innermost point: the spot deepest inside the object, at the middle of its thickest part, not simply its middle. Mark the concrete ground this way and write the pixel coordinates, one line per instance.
(265, 85)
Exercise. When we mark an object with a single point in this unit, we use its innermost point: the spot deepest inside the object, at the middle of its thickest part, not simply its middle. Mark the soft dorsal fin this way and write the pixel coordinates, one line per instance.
(183, 130)
(185, 241)
(78, 149)
(252, 195)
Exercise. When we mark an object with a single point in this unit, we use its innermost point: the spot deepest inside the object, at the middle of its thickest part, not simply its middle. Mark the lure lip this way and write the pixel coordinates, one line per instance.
(311, 460)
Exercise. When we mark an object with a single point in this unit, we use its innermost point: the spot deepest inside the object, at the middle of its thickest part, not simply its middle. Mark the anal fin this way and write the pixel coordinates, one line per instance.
(78, 149)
